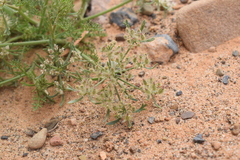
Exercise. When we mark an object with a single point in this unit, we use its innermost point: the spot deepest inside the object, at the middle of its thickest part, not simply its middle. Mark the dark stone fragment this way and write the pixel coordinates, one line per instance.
(25, 154)
(225, 79)
(159, 141)
(179, 93)
(141, 74)
(171, 44)
(120, 37)
(96, 135)
(235, 53)
(4, 138)
(122, 15)
(198, 139)
(177, 120)
(184, 1)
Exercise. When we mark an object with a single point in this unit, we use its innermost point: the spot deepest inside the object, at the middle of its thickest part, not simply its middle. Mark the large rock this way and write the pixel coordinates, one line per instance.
(38, 140)
(208, 23)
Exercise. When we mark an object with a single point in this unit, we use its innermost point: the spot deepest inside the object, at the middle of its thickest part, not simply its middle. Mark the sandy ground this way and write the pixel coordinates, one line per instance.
(216, 108)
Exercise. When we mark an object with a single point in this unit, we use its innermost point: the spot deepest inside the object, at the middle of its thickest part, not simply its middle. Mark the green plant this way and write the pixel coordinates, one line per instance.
(109, 82)
(50, 24)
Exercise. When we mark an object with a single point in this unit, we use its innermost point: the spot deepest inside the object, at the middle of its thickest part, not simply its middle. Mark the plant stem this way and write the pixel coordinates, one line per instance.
(14, 39)
(106, 11)
(11, 79)
(58, 41)
(42, 15)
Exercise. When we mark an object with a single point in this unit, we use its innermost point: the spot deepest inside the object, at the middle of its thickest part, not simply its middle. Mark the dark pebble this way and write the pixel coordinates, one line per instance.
(235, 53)
(159, 141)
(96, 135)
(179, 93)
(177, 120)
(122, 15)
(120, 37)
(141, 74)
(198, 139)
(171, 44)
(4, 138)
(184, 1)
(25, 154)
(151, 120)
(225, 79)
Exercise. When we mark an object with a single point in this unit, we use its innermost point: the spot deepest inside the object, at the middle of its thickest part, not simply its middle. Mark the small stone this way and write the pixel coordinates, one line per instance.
(122, 15)
(161, 49)
(236, 129)
(4, 137)
(167, 118)
(159, 119)
(25, 154)
(120, 37)
(147, 9)
(159, 141)
(133, 149)
(212, 49)
(174, 107)
(141, 74)
(198, 139)
(216, 145)
(235, 53)
(73, 121)
(184, 1)
(177, 7)
(56, 141)
(83, 157)
(164, 77)
(179, 67)
(179, 93)
(96, 135)
(151, 120)
(38, 140)
(219, 72)
(225, 79)
(177, 120)
(187, 115)
(103, 155)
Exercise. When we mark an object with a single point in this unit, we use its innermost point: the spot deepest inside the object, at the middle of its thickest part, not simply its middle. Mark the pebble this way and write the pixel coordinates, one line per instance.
(235, 53)
(159, 141)
(96, 135)
(151, 120)
(187, 115)
(177, 120)
(198, 139)
(147, 9)
(38, 140)
(236, 129)
(179, 93)
(216, 145)
(141, 74)
(73, 121)
(25, 154)
(122, 15)
(225, 79)
(219, 72)
(56, 141)
(184, 1)
(120, 37)
(103, 155)
(4, 137)
(212, 49)
(174, 107)
(133, 149)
